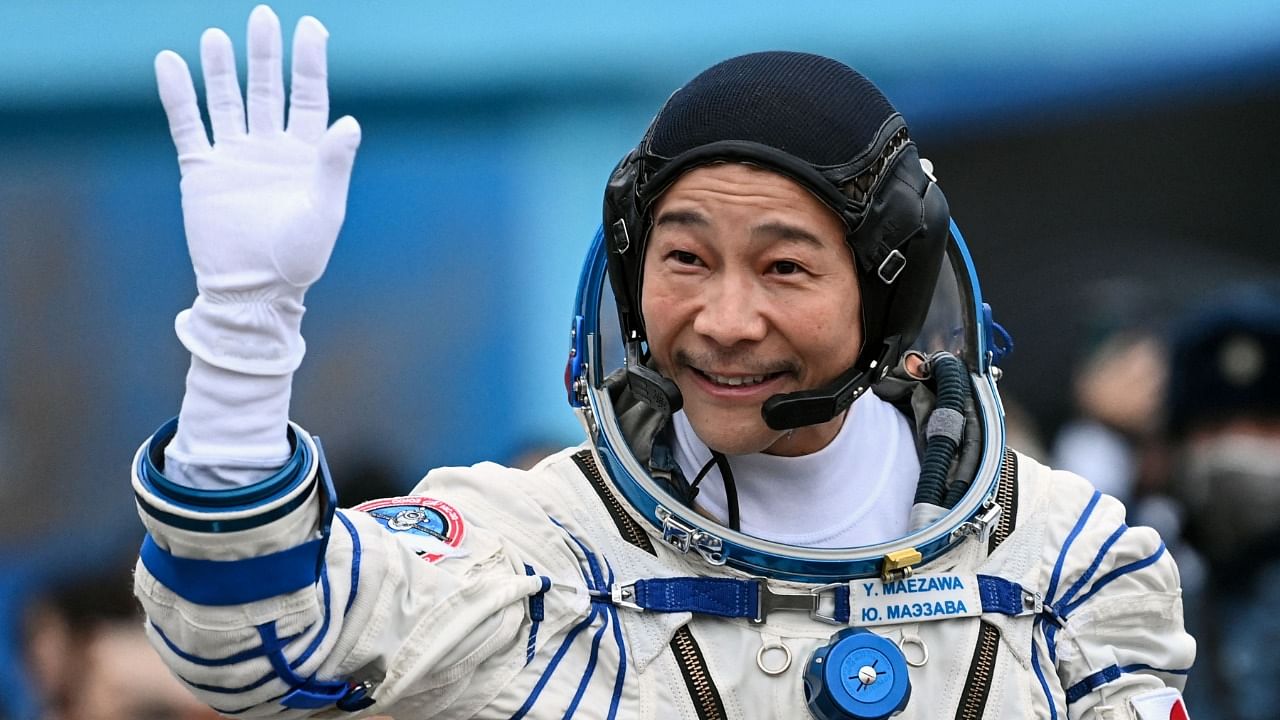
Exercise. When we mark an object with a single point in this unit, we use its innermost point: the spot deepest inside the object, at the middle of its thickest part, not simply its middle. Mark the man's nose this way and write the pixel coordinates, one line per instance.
(732, 312)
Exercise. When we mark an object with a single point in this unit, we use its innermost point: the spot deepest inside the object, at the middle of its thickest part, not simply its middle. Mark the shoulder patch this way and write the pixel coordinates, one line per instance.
(432, 528)
(1162, 704)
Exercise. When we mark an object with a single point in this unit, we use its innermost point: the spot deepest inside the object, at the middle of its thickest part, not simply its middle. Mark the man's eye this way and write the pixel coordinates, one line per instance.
(684, 257)
(786, 267)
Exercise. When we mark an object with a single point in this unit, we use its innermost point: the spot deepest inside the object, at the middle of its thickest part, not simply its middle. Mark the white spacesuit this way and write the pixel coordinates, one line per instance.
(597, 585)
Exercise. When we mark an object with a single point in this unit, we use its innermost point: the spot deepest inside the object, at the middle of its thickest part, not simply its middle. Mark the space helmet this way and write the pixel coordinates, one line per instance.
(825, 126)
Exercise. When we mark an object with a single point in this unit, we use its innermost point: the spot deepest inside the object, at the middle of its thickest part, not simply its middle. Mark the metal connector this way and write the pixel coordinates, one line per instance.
(980, 526)
(624, 596)
(685, 537)
(810, 601)
(898, 564)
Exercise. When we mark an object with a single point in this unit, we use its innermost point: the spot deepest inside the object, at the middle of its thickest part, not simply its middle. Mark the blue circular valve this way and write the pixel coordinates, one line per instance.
(858, 675)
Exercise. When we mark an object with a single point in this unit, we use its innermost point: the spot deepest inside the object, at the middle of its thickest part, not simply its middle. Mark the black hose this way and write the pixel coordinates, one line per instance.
(730, 488)
(944, 427)
(693, 487)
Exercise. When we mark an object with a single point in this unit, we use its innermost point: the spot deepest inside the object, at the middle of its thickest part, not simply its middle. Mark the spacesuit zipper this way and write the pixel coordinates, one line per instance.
(693, 667)
(706, 699)
(973, 700)
(977, 686)
(628, 528)
(1007, 497)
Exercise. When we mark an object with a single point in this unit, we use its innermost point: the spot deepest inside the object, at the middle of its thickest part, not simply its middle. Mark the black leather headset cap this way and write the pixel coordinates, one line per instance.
(827, 127)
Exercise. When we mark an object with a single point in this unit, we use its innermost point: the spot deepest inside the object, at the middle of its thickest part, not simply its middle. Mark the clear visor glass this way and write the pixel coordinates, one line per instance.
(953, 324)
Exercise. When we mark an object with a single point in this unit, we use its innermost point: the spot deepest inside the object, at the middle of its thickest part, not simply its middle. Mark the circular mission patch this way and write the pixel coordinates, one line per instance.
(432, 528)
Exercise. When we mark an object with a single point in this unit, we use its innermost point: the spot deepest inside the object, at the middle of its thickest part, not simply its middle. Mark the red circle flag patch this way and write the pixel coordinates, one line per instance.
(432, 528)
(1162, 704)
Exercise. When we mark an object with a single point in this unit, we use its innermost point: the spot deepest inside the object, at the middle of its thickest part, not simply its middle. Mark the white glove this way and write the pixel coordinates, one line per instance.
(262, 207)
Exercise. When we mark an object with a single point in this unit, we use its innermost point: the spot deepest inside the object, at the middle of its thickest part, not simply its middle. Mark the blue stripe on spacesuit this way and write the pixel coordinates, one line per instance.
(1143, 667)
(1068, 608)
(263, 650)
(234, 582)
(355, 562)
(221, 690)
(1093, 567)
(1068, 603)
(1113, 575)
(555, 661)
(1109, 674)
(266, 650)
(222, 526)
(612, 613)
(1044, 684)
(1066, 546)
(596, 582)
(621, 677)
(591, 665)
(537, 611)
(1092, 682)
(1050, 631)
(239, 657)
(1000, 595)
(304, 692)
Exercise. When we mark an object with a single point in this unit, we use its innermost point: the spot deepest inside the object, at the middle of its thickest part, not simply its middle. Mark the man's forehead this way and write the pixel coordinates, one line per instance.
(770, 204)
(767, 228)
(729, 170)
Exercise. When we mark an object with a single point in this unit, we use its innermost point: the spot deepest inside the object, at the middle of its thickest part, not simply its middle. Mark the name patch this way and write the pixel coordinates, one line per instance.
(432, 528)
(936, 596)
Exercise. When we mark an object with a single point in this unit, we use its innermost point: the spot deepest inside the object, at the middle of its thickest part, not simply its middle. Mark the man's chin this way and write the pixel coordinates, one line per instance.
(742, 442)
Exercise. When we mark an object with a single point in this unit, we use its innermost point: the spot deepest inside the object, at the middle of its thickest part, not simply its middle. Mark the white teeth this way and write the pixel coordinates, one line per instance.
(739, 380)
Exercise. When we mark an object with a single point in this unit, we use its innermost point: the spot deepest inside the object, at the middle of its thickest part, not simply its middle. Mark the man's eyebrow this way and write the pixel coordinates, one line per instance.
(686, 218)
(778, 230)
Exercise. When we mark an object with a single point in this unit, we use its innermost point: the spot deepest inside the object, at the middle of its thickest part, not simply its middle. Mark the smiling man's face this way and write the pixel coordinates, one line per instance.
(749, 290)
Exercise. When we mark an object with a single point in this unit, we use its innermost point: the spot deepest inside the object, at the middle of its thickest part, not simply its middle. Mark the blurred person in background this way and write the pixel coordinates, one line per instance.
(1224, 434)
(1118, 390)
(89, 657)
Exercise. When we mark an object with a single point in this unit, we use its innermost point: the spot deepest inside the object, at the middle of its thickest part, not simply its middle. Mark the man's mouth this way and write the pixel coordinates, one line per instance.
(736, 380)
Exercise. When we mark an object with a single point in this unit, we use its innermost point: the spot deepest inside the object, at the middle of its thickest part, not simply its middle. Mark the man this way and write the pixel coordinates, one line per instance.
(1224, 429)
(748, 532)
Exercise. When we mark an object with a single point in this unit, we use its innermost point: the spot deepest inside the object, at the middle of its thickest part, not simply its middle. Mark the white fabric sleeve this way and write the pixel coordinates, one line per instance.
(1118, 592)
(232, 429)
(429, 636)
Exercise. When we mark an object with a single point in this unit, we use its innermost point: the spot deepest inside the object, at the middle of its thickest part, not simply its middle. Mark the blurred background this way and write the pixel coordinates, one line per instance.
(1112, 165)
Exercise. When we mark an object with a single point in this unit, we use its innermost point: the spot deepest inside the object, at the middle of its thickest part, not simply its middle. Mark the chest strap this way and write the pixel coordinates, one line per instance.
(860, 603)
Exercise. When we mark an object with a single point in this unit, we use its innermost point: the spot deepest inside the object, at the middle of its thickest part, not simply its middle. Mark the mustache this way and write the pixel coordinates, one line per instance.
(740, 361)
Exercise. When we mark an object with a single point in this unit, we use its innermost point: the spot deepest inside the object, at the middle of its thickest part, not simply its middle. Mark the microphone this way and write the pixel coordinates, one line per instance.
(788, 411)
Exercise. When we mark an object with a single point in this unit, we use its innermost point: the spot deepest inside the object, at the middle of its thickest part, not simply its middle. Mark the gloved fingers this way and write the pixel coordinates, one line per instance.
(221, 85)
(178, 96)
(337, 152)
(309, 93)
(266, 79)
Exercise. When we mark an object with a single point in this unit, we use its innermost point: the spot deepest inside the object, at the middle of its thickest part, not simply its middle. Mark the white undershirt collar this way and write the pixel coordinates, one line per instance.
(856, 491)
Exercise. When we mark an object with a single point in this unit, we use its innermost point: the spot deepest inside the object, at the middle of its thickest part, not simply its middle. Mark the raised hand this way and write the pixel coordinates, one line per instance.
(263, 203)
